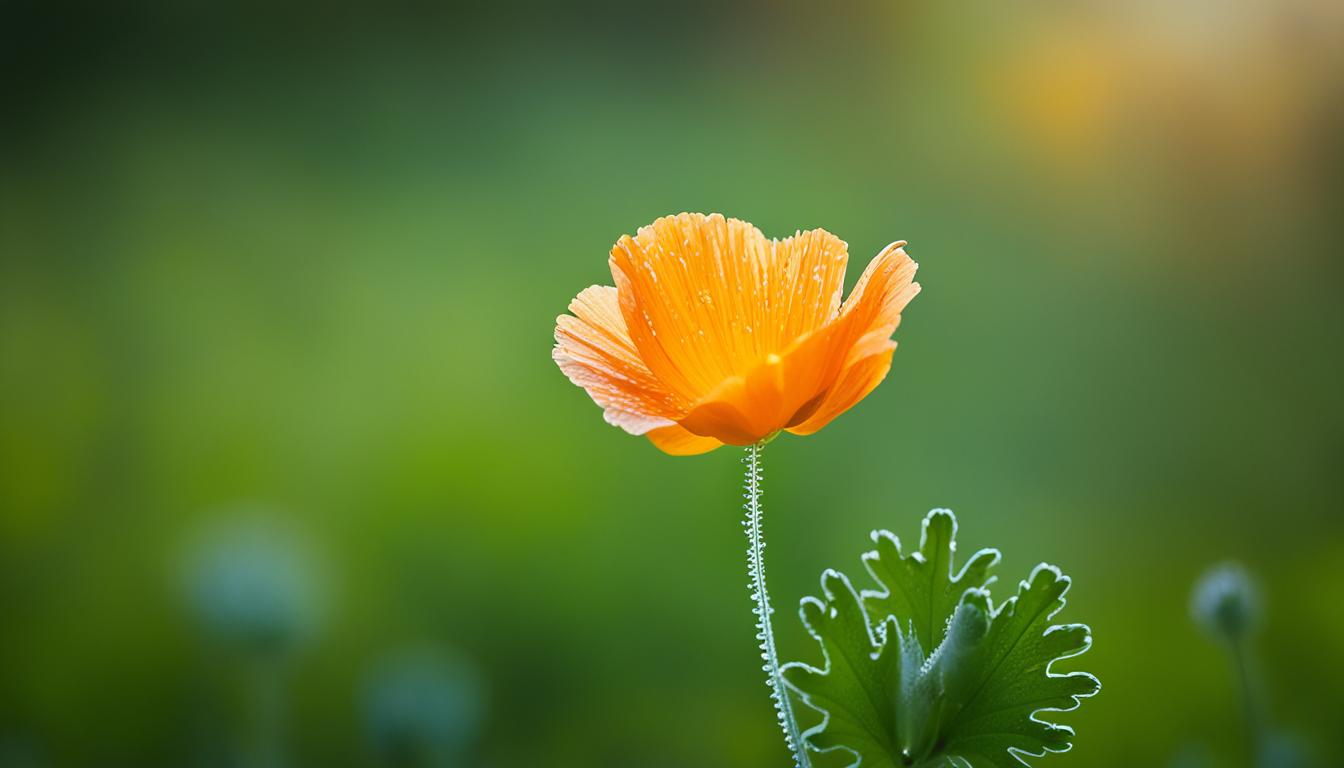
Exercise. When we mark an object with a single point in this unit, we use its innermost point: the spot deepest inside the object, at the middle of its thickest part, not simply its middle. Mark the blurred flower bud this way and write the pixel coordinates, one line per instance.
(1225, 602)
(1283, 750)
(252, 588)
(422, 708)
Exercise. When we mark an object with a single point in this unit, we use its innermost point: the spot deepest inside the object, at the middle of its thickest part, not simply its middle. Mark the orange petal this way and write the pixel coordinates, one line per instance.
(708, 298)
(781, 391)
(813, 265)
(727, 415)
(676, 441)
(883, 291)
(820, 375)
(594, 350)
(858, 380)
(884, 288)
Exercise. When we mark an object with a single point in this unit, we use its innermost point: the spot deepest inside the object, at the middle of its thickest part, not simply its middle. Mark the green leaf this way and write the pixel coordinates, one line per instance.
(922, 588)
(856, 689)
(975, 698)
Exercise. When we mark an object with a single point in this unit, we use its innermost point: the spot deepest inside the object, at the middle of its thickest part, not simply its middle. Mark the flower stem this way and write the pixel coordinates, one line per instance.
(764, 630)
(1250, 696)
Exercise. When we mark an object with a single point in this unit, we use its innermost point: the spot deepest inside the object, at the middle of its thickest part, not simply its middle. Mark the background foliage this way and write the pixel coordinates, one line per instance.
(301, 265)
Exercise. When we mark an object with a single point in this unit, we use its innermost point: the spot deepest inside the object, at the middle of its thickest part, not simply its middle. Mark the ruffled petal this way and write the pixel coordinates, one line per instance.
(822, 374)
(781, 391)
(884, 288)
(813, 267)
(858, 380)
(677, 441)
(594, 350)
(883, 291)
(708, 298)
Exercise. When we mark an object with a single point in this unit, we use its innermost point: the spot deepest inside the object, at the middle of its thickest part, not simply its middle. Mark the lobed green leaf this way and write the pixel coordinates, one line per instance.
(925, 671)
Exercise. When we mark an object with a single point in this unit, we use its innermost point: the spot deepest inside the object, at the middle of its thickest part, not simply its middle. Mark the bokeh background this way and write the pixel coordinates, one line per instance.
(288, 477)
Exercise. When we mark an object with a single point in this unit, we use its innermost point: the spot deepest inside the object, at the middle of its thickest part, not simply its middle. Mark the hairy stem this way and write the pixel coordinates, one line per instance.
(764, 630)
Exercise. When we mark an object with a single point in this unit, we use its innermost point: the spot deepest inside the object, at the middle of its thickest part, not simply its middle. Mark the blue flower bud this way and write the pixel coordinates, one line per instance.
(251, 588)
(422, 708)
(1226, 602)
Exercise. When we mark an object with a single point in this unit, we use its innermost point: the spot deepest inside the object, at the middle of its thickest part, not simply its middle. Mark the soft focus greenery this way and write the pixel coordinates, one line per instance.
(299, 268)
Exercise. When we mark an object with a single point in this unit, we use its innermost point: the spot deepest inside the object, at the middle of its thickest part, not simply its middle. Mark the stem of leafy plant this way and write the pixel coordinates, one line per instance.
(1250, 697)
(764, 630)
(261, 742)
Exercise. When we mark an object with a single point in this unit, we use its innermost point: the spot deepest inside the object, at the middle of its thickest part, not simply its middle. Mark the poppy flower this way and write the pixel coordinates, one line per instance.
(715, 334)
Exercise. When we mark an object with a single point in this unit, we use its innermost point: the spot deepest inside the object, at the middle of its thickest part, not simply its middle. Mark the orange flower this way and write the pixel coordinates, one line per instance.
(714, 334)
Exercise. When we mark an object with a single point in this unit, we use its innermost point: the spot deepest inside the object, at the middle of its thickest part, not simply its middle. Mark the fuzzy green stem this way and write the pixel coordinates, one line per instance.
(1250, 694)
(764, 630)
(261, 742)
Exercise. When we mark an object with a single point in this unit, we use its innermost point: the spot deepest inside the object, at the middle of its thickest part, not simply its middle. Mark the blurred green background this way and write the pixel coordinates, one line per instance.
(277, 407)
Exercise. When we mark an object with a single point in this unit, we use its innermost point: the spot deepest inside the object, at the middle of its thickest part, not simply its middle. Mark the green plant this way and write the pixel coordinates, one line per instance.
(926, 670)
(1226, 602)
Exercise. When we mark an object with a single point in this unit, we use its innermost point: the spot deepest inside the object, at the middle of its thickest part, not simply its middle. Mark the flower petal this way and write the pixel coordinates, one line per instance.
(729, 415)
(884, 288)
(823, 373)
(677, 441)
(883, 291)
(858, 380)
(594, 350)
(781, 391)
(813, 264)
(708, 298)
